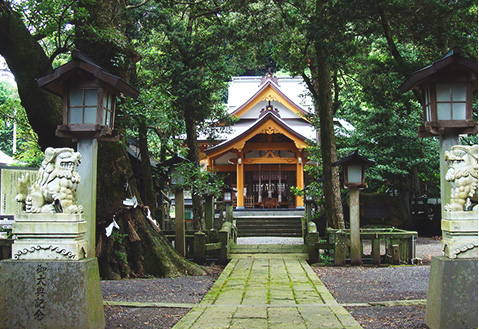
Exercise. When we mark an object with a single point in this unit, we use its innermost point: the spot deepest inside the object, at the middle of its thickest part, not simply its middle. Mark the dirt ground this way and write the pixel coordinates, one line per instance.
(347, 284)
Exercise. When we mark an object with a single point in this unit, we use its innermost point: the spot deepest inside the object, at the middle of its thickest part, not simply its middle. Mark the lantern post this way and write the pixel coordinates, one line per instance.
(354, 166)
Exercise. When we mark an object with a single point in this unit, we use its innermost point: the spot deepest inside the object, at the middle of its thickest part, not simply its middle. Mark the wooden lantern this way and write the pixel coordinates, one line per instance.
(89, 98)
(447, 88)
(354, 166)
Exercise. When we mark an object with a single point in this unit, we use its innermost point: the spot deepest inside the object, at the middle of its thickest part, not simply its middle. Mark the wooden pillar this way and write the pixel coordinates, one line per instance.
(299, 178)
(180, 243)
(240, 181)
(356, 258)
(210, 164)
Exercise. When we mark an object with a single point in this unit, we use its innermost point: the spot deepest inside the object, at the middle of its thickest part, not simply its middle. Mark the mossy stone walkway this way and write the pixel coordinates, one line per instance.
(268, 291)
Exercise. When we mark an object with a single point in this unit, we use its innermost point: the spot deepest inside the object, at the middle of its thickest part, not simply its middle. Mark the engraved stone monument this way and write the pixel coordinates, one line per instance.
(50, 282)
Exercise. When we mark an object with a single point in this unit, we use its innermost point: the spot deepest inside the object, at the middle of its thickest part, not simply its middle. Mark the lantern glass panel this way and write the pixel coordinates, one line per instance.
(355, 173)
(444, 111)
(443, 93)
(459, 111)
(76, 115)
(76, 97)
(459, 92)
(90, 115)
(91, 97)
(227, 196)
(427, 105)
(108, 106)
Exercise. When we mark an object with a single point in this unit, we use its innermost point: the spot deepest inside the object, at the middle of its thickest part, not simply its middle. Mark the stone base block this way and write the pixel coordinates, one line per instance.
(49, 237)
(459, 234)
(50, 294)
(49, 249)
(452, 294)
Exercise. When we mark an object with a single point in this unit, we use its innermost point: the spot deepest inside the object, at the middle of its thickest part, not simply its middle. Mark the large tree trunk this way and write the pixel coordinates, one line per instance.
(138, 248)
(194, 156)
(146, 176)
(323, 104)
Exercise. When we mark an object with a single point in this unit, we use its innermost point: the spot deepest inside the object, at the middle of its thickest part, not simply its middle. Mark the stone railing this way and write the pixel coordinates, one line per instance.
(400, 245)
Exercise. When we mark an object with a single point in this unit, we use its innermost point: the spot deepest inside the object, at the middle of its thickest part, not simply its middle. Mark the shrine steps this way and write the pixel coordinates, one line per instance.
(269, 223)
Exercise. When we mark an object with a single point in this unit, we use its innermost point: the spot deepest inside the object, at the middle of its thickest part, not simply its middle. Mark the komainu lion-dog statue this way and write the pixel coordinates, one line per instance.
(54, 190)
(462, 174)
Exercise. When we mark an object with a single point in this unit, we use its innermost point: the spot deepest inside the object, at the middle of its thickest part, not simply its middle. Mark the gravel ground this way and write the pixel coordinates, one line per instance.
(377, 284)
(347, 284)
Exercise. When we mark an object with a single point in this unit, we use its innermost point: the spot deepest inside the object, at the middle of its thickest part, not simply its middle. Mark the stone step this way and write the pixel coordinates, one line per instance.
(265, 213)
(272, 234)
(280, 226)
(267, 249)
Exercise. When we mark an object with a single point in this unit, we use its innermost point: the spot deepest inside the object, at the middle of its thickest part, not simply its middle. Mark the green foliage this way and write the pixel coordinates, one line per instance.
(13, 119)
(123, 256)
(118, 237)
(192, 177)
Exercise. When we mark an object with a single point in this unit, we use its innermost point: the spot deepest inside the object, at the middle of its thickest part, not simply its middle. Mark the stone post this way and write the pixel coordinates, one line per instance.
(356, 257)
(86, 191)
(209, 212)
(200, 248)
(229, 211)
(445, 144)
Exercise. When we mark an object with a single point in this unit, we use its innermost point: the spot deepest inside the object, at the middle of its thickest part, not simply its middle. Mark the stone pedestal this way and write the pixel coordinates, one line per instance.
(452, 294)
(49, 236)
(50, 294)
(459, 234)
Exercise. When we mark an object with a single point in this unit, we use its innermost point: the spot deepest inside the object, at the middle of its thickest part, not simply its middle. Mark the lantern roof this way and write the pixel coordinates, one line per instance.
(355, 158)
(75, 69)
(452, 61)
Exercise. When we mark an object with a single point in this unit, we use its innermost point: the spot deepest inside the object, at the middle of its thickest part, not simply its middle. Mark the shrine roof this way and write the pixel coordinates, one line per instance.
(244, 132)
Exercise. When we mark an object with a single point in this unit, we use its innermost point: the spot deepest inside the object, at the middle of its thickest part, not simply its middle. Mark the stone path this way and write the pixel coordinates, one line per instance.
(268, 291)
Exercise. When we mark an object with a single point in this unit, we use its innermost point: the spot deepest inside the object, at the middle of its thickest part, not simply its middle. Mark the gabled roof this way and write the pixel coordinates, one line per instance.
(269, 124)
(269, 88)
(453, 60)
(73, 69)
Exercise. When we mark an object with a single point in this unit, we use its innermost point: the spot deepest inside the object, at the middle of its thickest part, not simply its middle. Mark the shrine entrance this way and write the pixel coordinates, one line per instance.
(268, 186)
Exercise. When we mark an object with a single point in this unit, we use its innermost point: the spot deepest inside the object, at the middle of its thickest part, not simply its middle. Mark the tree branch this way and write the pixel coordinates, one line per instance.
(137, 5)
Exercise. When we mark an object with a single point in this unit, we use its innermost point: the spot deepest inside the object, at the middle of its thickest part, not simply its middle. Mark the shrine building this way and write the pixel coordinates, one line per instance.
(265, 153)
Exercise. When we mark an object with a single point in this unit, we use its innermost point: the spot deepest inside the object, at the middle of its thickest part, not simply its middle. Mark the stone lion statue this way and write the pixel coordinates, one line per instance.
(462, 174)
(55, 187)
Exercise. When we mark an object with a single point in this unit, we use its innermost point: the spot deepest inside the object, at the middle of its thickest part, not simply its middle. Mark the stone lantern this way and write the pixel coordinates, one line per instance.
(89, 98)
(446, 88)
(228, 194)
(354, 166)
